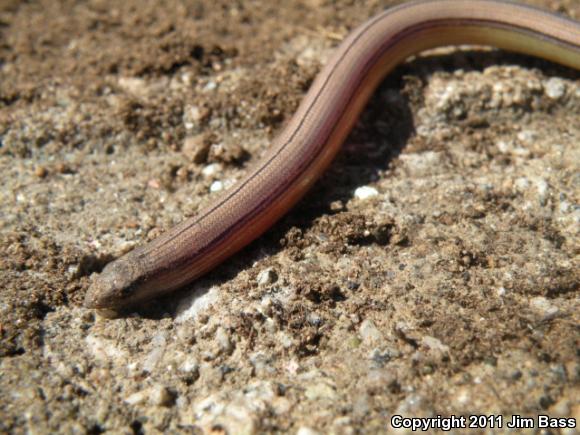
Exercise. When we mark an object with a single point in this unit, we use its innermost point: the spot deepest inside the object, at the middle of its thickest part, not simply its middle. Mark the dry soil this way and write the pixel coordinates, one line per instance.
(434, 269)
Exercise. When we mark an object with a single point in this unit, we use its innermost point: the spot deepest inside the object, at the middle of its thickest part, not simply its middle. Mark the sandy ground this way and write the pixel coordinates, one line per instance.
(433, 270)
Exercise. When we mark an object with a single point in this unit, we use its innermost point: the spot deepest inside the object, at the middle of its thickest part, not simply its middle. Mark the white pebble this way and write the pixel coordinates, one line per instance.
(73, 270)
(503, 146)
(365, 192)
(190, 365)
(211, 169)
(216, 186)
(136, 398)
(210, 86)
(542, 186)
(132, 85)
(555, 88)
(304, 430)
(527, 137)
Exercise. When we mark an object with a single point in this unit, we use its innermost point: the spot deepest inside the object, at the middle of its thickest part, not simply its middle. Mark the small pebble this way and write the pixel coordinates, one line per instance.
(267, 276)
(555, 88)
(194, 116)
(210, 86)
(161, 396)
(544, 307)
(503, 146)
(223, 340)
(136, 398)
(527, 137)
(211, 170)
(543, 188)
(380, 357)
(216, 186)
(314, 319)
(516, 375)
(369, 332)
(365, 192)
(73, 270)
(195, 148)
(337, 205)
(132, 85)
(271, 326)
(190, 365)
(40, 172)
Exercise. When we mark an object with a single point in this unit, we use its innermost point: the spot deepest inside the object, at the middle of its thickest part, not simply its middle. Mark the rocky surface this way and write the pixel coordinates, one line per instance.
(433, 270)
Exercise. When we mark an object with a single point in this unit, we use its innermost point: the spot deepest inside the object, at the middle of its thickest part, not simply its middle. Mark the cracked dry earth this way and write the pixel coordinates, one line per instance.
(433, 270)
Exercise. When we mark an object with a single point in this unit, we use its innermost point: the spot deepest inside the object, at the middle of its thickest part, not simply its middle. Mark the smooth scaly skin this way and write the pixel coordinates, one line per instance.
(312, 138)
